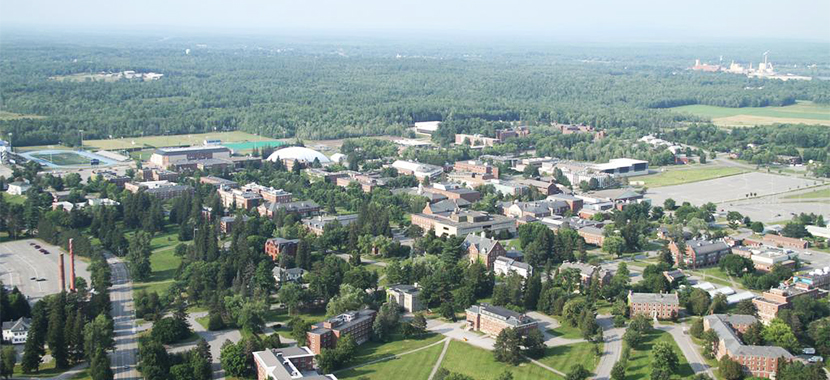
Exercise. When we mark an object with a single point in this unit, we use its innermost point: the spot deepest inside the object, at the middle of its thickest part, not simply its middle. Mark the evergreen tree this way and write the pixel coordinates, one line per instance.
(34, 350)
(99, 368)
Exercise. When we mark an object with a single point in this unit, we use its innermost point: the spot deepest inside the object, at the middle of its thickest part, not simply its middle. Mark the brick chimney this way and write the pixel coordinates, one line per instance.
(71, 267)
(62, 274)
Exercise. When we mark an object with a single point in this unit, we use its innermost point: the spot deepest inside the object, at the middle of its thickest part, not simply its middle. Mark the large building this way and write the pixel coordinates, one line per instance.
(300, 154)
(301, 208)
(476, 166)
(535, 209)
(160, 189)
(780, 298)
(462, 223)
(287, 363)
(623, 167)
(244, 199)
(275, 247)
(491, 319)
(190, 157)
(419, 170)
(475, 141)
(325, 334)
(816, 278)
(653, 305)
(480, 248)
(454, 191)
(317, 225)
(758, 361)
(699, 253)
(406, 296)
(764, 258)
(785, 242)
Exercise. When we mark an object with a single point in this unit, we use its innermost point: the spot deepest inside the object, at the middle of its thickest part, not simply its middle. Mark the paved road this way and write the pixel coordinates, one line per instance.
(612, 349)
(688, 347)
(125, 357)
(20, 262)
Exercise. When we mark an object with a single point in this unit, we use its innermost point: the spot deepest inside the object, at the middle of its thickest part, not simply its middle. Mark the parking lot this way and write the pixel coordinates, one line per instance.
(33, 272)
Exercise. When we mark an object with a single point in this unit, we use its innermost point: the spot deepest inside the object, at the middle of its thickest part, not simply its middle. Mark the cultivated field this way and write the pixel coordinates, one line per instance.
(20, 262)
(172, 140)
(802, 112)
(681, 175)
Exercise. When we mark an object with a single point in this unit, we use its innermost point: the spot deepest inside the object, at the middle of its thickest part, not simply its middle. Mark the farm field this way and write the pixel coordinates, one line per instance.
(683, 175)
(801, 112)
(479, 363)
(172, 140)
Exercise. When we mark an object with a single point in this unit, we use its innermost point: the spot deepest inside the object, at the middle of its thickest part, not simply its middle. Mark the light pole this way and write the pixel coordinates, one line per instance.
(82, 140)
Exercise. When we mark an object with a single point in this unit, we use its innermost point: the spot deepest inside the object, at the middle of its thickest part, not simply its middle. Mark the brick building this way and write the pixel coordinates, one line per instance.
(275, 247)
(780, 298)
(700, 253)
(662, 306)
(476, 166)
(785, 242)
(758, 361)
(325, 334)
(491, 319)
(480, 248)
(287, 363)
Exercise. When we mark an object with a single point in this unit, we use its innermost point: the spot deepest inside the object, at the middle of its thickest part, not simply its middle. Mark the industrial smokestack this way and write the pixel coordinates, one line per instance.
(62, 274)
(71, 267)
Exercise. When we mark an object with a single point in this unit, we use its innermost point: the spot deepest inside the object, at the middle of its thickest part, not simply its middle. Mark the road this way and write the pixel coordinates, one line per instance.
(688, 347)
(125, 357)
(612, 349)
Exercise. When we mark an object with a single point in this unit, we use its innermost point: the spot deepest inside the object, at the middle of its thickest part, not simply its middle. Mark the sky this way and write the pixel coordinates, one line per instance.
(611, 20)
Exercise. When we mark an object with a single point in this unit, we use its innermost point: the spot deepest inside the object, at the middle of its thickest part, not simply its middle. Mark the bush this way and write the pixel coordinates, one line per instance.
(619, 321)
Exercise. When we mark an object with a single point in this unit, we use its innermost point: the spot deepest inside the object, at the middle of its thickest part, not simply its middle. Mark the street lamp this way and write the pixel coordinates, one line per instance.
(82, 139)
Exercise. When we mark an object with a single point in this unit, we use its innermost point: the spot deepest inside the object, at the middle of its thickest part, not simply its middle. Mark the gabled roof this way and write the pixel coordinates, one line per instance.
(22, 324)
(483, 244)
(702, 247)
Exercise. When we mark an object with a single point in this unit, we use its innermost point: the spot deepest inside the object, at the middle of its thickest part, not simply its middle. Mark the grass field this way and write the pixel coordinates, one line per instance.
(63, 159)
(639, 365)
(14, 199)
(564, 358)
(370, 351)
(566, 332)
(823, 193)
(172, 140)
(480, 364)
(801, 112)
(687, 175)
(5, 115)
(163, 262)
(416, 366)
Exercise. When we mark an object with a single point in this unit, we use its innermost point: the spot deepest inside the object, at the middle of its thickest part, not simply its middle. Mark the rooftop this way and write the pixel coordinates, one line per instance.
(667, 299)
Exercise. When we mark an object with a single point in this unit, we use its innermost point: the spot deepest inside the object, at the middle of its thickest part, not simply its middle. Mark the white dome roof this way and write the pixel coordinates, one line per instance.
(338, 157)
(298, 153)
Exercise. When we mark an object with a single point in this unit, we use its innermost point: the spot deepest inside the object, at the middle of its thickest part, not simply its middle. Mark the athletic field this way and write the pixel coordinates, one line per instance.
(801, 112)
(174, 140)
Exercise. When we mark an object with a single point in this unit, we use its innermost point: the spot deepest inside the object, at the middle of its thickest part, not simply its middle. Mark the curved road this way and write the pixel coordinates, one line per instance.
(125, 357)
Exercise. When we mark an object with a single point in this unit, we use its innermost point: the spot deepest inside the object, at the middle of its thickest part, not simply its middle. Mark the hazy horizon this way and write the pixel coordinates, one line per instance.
(599, 21)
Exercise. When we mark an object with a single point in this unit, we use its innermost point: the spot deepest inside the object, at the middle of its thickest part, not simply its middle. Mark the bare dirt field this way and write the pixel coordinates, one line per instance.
(20, 262)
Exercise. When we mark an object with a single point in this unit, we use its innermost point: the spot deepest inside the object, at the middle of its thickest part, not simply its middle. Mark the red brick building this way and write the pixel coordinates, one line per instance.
(475, 166)
(699, 253)
(480, 248)
(492, 320)
(275, 247)
(325, 334)
(285, 363)
(779, 298)
(785, 242)
(758, 361)
(662, 306)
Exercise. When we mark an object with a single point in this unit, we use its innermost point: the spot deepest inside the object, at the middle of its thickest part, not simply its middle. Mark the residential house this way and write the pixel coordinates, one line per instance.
(491, 320)
(16, 332)
(283, 276)
(18, 188)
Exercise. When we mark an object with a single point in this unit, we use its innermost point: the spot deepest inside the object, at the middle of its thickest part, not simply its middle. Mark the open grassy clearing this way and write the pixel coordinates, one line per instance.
(14, 199)
(566, 332)
(6, 115)
(639, 364)
(46, 370)
(801, 112)
(565, 357)
(172, 140)
(823, 193)
(370, 351)
(163, 262)
(687, 175)
(415, 366)
(479, 364)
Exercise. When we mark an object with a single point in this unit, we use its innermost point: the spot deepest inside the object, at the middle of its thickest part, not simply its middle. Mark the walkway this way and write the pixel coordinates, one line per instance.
(445, 341)
(440, 359)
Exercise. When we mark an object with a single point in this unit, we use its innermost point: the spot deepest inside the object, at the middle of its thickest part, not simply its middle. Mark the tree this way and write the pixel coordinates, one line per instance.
(794, 230)
(578, 372)
(419, 323)
(138, 256)
(613, 245)
(505, 375)
(33, 350)
(618, 371)
(754, 334)
(697, 328)
(730, 369)
(669, 204)
(291, 295)
(99, 368)
(232, 357)
(664, 357)
(299, 328)
(757, 227)
(746, 307)
(698, 302)
(507, 348)
(8, 359)
(56, 337)
(534, 343)
(155, 362)
(778, 333)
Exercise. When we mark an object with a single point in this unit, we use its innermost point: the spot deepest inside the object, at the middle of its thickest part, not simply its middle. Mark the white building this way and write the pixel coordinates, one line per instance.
(623, 167)
(16, 331)
(503, 266)
(427, 127)
(18, 188)
(418, 169)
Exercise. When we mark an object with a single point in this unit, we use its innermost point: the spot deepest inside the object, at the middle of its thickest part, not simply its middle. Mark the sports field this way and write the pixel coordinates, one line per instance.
(173, 140)
(682, 175)
(63, 158)
(801, 112)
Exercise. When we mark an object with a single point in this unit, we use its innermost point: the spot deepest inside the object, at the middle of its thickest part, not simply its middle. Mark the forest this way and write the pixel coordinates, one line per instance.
(335, 90)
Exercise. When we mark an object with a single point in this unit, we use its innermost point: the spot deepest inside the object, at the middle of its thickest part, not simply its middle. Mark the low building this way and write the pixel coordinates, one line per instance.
(544, 187)
(454, 191)
(674, 275)
(504, 266)
(462, 223)
(320, 175)
(166, 158)
(602, 200)
(482, 249)
(16, 332)
(160, 189)
(427, 127)
(757, 361)
(228, 223)
(653, 305)
(275, 247)
(475, 141)
(317, 225)
(406, 296)
(780, 298)
(283, 276)
(623, 167)
(325, 334)
(218, 182)
(592, 235)
(18, 188)
(287, 363)
(419, 170)
(301, 208)
(508, 187)
(244, 199)
(577, 172)
(785, 242)
(816, 278)
(764, 258)
(700, 253)
(492, 320)
(476, 166)
(573, 202)
(587, 272)
(536, 209)
(520, 131)
(445, 207)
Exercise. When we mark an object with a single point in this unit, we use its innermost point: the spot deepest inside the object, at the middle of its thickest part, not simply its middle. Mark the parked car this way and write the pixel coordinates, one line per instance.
(45, 252)
(37, 246)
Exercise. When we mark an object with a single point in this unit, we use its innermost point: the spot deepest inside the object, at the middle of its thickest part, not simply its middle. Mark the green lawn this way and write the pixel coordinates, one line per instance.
(47, 370)
(564, 358)
(566, 331)
(369, 351)
(480, 364)
(801, 112)
(83, 375)
(639, 365)
(63, 159)
(163, 262)
(823, 193)
(172, 140)
(681, 175)
(14, 199)
(415, 366)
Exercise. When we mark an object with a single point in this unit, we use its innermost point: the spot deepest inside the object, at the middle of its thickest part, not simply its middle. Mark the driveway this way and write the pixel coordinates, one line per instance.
(612, 349)
(688, 347)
